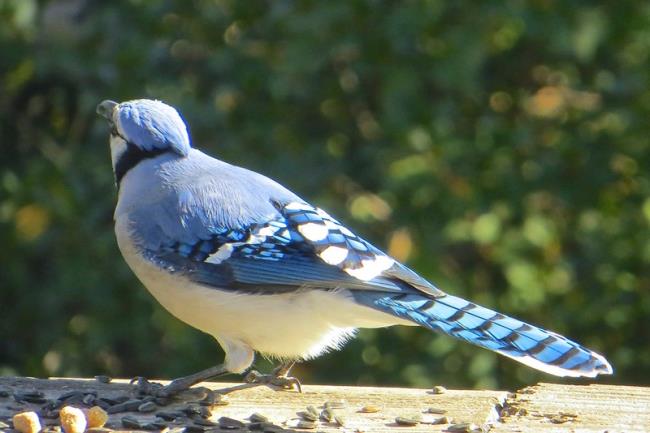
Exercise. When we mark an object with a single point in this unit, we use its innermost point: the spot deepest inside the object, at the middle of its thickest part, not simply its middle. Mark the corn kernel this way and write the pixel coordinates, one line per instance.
(72, 420)
(96, 417)
(27, 422)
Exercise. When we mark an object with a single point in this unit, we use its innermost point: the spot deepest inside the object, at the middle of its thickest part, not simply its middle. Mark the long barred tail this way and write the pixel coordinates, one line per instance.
(535, 347)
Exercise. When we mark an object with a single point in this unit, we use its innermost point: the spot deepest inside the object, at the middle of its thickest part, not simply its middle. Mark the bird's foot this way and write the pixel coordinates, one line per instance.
(276, 378)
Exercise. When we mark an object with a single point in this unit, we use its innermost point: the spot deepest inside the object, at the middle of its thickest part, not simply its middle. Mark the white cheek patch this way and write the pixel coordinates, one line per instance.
(371, 268)
(333, 255)
(313, 231)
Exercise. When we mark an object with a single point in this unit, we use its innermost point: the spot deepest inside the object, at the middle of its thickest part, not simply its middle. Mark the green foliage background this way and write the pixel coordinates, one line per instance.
(501, 149)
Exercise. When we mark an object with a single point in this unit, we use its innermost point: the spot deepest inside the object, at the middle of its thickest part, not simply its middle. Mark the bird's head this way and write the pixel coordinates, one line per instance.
(141, 129)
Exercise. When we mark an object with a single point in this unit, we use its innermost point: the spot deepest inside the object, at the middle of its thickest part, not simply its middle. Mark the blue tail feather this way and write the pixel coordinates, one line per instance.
(535, 347)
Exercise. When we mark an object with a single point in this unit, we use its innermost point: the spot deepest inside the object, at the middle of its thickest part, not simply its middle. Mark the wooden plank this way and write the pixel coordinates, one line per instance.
(547, 407)
(281, 407)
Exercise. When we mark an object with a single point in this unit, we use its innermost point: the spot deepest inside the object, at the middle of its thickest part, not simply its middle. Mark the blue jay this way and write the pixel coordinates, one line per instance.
(240, 257)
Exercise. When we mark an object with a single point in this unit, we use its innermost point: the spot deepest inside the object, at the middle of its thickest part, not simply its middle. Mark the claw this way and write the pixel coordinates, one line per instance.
(280, 381)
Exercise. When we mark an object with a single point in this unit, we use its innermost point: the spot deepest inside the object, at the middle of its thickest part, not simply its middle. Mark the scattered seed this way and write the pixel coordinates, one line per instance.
(107, 401)
(4, 425)
(441, 420)
(133, 404)
(258, 417)
(177, 430)
(27, 422)
(335, 404)
(130, 422)
(407, 420)
(4, 393)
(327, 414)
(116, 408)
(312, 410)
(170, 416)
(272, 428)
(569, 414)
(88, 399)
(464, 427)
(307, 416)
(438, 389)
(103, 379)
(73, 420)
(436, 411)
(558, 419)
(195, 429)
(148, 406)
(154, 425)
(306, 424)
(161, 401)
(340, 420)
(36, 397)
(205, 422)
(230, 423)
(369, 409)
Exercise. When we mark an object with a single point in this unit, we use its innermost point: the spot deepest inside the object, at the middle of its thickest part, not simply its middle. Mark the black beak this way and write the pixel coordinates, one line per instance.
(105, 109)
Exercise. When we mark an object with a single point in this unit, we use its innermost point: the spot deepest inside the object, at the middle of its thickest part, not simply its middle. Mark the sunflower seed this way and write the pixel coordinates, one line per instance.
(148, 406)
(369, 409)
(154, 425)
(438, 389)
(464, 427)
(205, 422)
(441, 420)
(436, 411)
(340, 420)
(103, 379)
(258, 417)
(130, 422)
(307, 416)
(161, 401)
(407, 420)
(307, 424)
(133, 404)
(170, 416)
(195, 429)
(312, 410)
(36, 397)
(327, 414)
(116, 408)
(230, 423)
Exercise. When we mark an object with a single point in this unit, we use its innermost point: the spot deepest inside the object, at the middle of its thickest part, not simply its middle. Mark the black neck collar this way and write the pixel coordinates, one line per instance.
(132, 157)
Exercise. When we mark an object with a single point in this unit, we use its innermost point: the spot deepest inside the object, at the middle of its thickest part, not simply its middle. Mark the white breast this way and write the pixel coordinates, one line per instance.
(296, 325)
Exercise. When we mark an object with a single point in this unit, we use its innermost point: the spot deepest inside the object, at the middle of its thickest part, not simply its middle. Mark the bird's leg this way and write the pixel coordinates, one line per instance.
(143, 386)
(278, 377)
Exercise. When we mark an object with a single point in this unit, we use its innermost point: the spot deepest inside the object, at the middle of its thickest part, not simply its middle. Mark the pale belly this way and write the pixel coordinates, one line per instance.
(296, 325)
